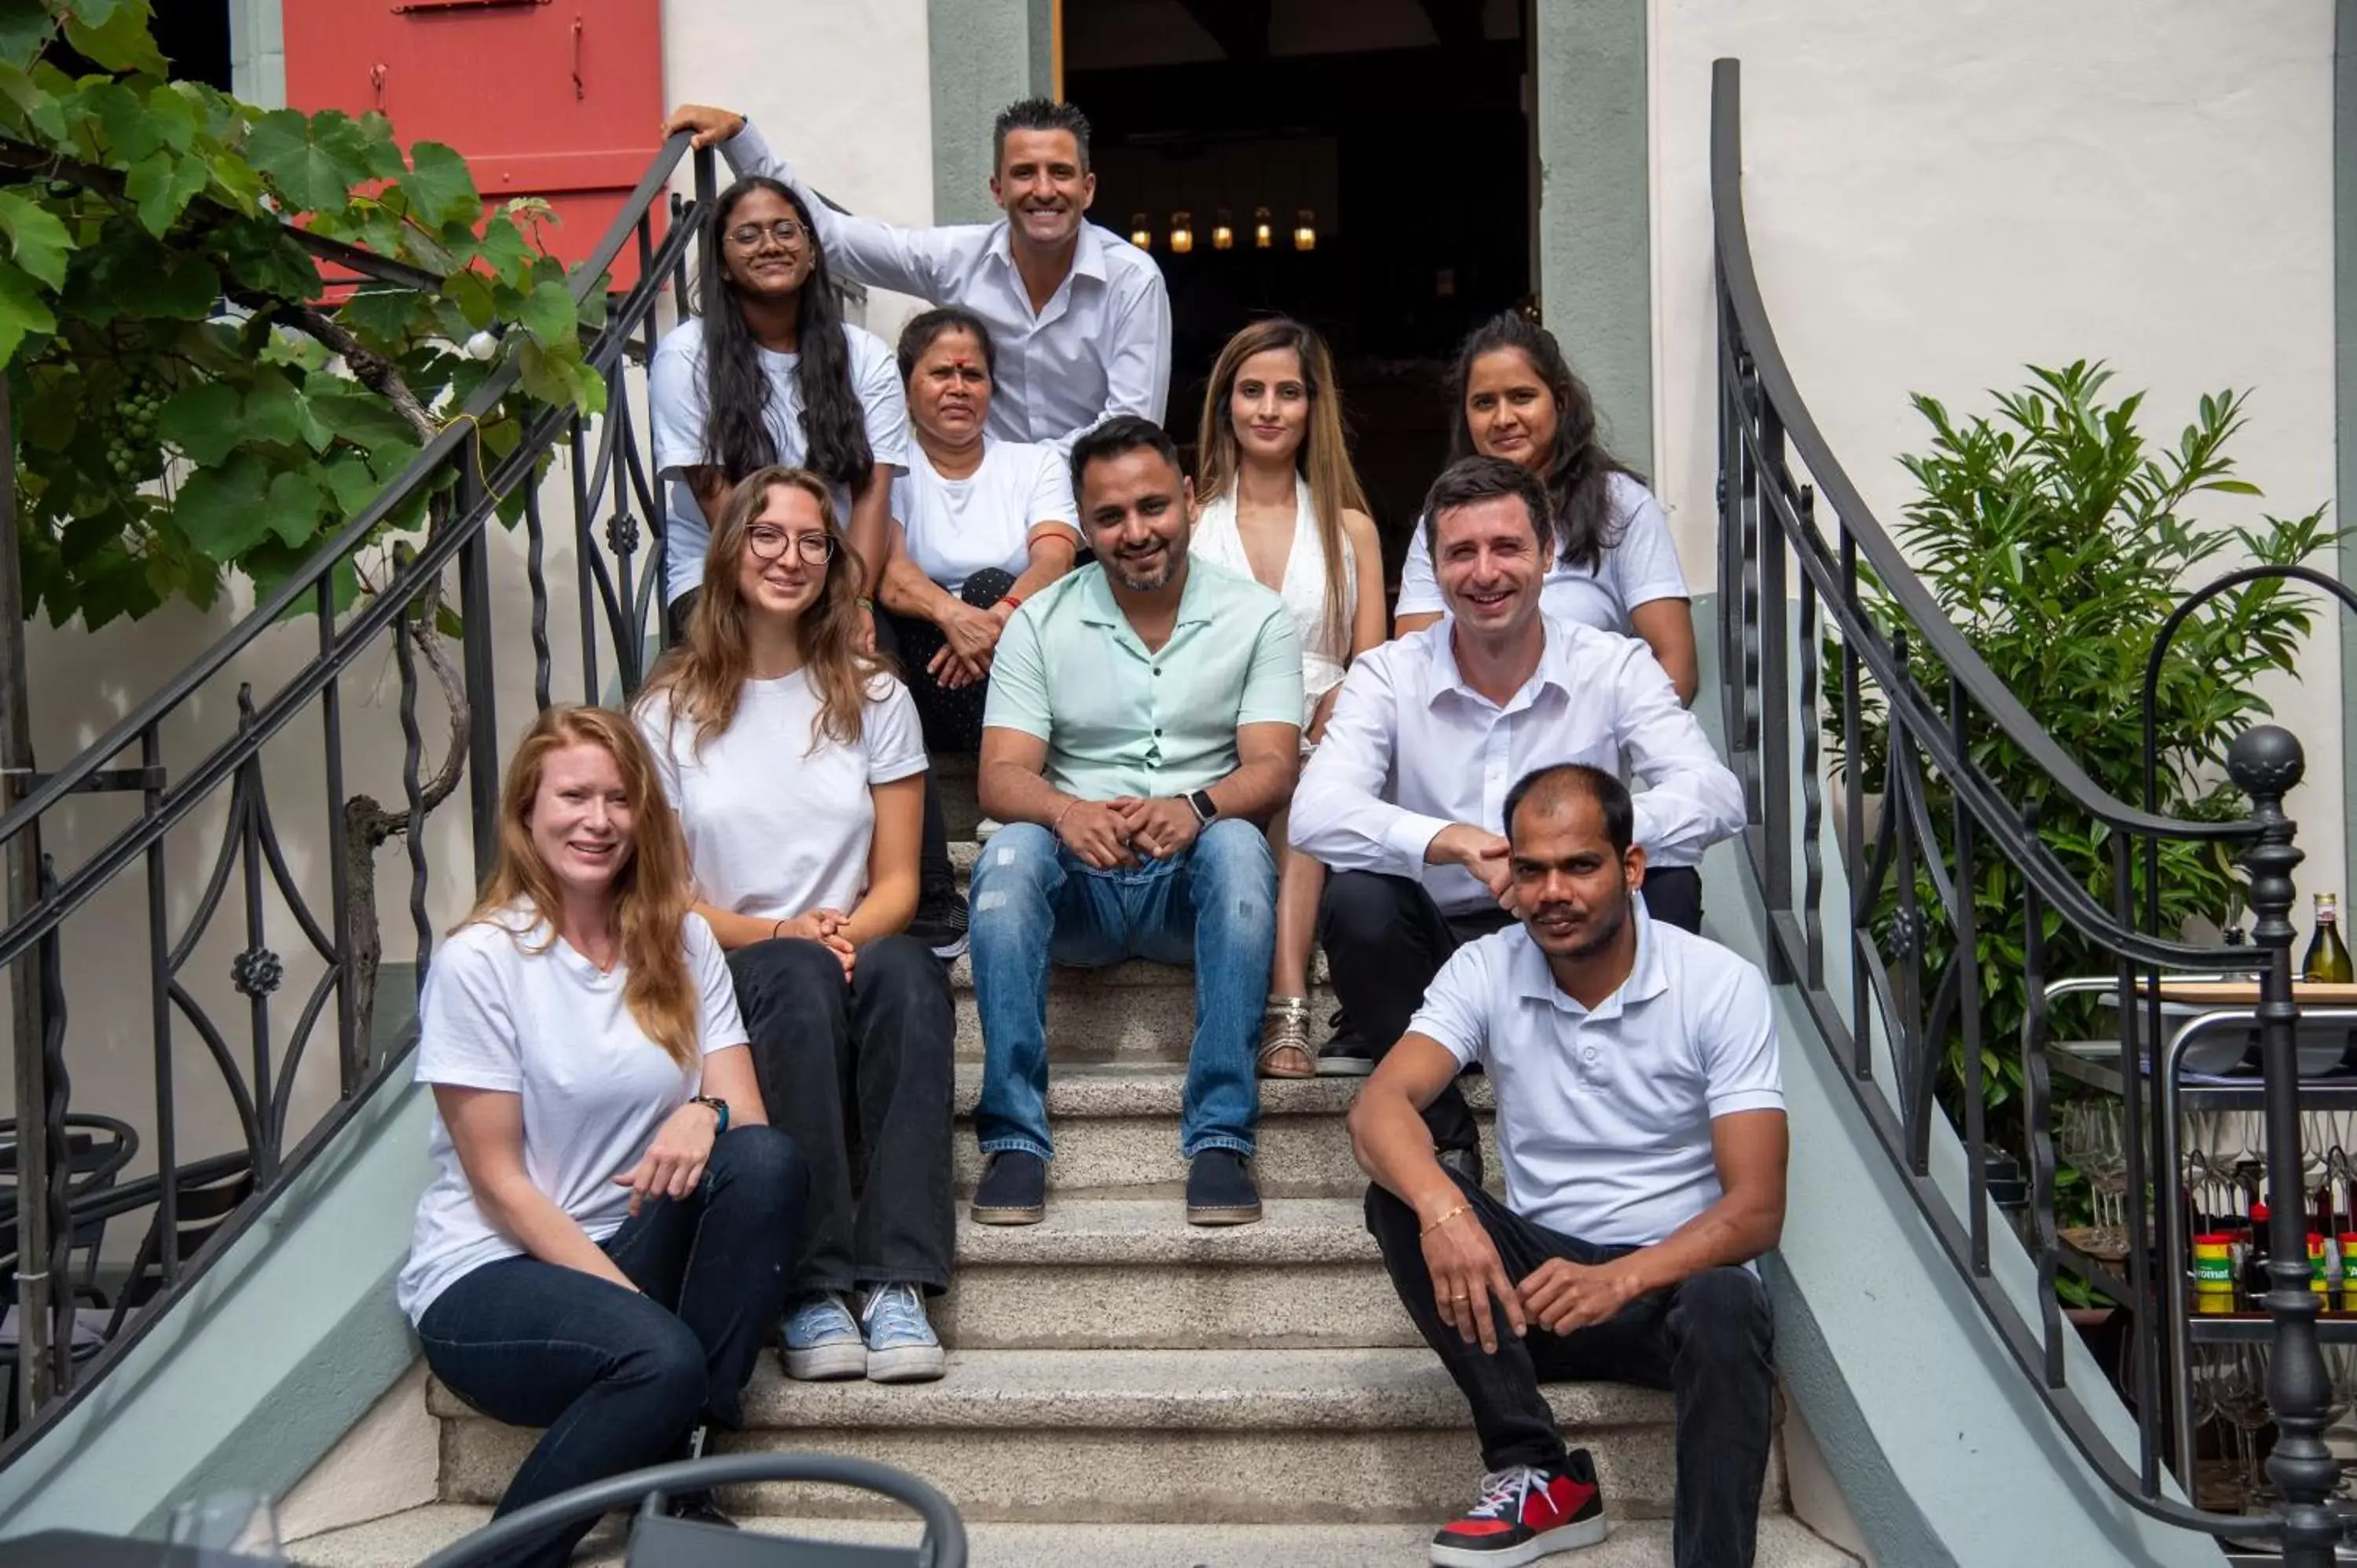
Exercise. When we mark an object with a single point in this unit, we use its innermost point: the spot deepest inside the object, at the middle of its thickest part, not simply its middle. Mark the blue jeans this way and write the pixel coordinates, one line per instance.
(619, 1379)
(1036, 902)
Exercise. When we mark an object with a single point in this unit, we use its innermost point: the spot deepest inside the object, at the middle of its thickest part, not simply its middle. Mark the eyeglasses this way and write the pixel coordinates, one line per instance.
(785, 231)
(768, 543)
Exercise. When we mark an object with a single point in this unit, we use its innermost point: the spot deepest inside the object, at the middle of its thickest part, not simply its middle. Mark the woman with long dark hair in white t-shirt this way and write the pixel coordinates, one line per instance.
(607, 1234)
(979, 525)
(796, 765)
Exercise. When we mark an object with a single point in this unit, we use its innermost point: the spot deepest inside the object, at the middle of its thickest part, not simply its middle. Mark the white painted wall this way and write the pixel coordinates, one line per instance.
(1939, 194)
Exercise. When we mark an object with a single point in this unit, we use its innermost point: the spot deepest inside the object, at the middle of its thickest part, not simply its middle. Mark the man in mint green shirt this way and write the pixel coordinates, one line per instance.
(1144, 722)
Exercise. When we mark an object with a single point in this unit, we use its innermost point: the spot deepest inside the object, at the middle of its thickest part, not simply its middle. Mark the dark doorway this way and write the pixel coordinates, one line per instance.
(194, 36)
(1391, 131)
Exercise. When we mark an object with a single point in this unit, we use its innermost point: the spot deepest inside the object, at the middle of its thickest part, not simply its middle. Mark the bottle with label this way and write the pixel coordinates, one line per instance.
(2255, 1283)
(2328, 956)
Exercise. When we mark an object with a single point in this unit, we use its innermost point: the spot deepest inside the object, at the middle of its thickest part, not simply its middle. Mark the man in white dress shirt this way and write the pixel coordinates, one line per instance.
(1080, 315)
(1640, 1121)
(1404, 796)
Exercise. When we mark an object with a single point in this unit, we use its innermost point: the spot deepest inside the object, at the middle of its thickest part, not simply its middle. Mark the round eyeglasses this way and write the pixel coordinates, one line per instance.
(785, 231)
(770, 544)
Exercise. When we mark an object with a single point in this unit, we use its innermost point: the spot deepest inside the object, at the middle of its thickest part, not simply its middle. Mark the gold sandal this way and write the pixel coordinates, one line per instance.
(1283, 1027)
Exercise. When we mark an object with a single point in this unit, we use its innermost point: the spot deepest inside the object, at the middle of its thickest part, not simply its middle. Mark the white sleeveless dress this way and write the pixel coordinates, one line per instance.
(1216, 538)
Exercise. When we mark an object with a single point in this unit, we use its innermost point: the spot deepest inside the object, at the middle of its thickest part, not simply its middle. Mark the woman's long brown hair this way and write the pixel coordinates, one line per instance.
(1324, 459)
(650, 887)
(705, 675)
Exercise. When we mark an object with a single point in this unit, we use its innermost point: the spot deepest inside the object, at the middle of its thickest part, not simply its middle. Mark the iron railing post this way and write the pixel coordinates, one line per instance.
(26, 1024)
(2265, 762)
(475, 611)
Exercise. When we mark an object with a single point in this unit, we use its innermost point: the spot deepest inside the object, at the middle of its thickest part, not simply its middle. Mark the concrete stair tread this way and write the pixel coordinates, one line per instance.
(1102, 1089)
(1295, 1390)
(1146, 1231)
(402, 1540)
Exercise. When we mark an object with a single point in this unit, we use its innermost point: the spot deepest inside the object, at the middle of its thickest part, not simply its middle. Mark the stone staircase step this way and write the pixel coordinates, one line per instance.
(1126, 1012)
(1116, 1125)
(1363, 1435)
(1130, 1274)
(400, 1541)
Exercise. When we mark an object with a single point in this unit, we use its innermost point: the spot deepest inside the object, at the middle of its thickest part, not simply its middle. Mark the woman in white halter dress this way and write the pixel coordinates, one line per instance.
(1279, 504)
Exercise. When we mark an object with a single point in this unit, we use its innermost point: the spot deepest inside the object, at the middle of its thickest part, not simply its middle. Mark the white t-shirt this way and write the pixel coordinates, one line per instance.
(1604, 1117)
(548, 1026)
(959, 527)
(677, 406)
(1642, 567)
(779, 816)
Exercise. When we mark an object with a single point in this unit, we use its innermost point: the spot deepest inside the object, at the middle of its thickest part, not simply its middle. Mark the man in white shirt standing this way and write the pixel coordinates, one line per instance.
(1080, 315)
(1641, 1123)
(1431, 730)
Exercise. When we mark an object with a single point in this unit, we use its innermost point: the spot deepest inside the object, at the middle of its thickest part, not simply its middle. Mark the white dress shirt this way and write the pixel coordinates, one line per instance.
(1100, 347)
(1411, 750)
(1604, 1115)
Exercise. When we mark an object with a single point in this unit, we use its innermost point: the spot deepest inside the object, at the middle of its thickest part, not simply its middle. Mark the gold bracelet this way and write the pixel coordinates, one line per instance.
(1460, 1209)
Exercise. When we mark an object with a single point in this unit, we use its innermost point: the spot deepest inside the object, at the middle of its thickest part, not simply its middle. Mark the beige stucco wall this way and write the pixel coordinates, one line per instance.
(1939, 194)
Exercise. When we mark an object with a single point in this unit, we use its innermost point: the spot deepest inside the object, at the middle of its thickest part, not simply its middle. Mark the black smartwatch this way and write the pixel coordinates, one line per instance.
(1203, 806)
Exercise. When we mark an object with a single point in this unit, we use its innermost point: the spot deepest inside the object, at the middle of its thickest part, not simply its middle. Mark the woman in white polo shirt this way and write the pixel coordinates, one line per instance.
(1615, 566)
(795, 762)
(980, 525)
(608, 1230)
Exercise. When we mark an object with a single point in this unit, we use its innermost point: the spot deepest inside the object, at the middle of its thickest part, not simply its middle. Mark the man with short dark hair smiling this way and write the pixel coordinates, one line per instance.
(1403, 796)
(1641, 1123)
(1079, 316)
(1144, 720)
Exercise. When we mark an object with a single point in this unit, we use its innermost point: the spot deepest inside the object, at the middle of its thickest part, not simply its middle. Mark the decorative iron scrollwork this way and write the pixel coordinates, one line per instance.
(256, 971)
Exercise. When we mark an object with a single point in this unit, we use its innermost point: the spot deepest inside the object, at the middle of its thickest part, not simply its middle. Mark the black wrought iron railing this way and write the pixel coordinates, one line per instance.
(1804, 567)
(297, 868)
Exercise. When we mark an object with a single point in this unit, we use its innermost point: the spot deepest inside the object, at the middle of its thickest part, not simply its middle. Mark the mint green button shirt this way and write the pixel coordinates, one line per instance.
(1121, 721)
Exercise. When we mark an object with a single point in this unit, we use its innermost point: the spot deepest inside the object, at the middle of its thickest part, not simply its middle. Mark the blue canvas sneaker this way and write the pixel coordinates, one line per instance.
(902, 1344)
(822, 1341)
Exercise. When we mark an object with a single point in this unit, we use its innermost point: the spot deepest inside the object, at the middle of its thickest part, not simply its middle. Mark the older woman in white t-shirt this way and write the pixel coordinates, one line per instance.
(1615, 566)
(980, 525)
(797, 770)
(606, 1236)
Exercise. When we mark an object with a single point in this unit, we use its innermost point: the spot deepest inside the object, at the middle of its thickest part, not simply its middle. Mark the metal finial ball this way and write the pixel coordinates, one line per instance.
(2265, 760)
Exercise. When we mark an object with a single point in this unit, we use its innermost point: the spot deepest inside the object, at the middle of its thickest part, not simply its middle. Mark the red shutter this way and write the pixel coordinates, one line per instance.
(561, 98)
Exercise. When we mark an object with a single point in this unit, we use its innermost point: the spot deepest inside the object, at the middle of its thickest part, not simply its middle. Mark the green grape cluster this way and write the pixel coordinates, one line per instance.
(131, 446)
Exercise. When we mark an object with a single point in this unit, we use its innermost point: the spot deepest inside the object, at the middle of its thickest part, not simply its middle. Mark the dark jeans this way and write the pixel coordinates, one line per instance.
(951, 719)
(860, 1075)
(1673, 897)
(1385, 940)
(620, 1380)
(1709, 1340)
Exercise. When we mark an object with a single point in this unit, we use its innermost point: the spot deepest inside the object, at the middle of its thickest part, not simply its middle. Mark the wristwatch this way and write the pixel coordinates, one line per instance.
(719, 1109)
(1203, 806)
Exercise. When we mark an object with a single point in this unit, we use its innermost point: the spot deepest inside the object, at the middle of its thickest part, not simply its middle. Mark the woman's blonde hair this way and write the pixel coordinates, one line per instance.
(650, 887)
(703, 675)
(1323, 461)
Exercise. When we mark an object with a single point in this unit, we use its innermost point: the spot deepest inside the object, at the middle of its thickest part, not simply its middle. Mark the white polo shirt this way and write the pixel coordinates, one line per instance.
(1641, 567)
(1604, 1117)
(1410, 749)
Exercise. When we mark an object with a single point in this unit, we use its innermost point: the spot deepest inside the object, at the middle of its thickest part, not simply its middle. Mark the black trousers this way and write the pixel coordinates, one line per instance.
(860, 1074)
(1710, 1341)
(1385, 940)
(951, 719)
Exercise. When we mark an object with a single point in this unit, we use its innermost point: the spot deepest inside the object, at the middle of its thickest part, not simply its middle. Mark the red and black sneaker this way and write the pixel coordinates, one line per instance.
(1523, 1514)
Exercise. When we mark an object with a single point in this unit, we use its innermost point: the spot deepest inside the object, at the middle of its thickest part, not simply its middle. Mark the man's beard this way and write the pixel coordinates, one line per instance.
(1173, 555)
(1604, 928)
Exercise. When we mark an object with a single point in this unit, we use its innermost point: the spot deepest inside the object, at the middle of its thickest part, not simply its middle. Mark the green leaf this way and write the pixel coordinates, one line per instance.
(352, 485)
(472, 295)
(24, 26)
(313, 160)
(225, 510)
(273, 410)
(121, 43)
(548, 314)
(545, 377)
(35, 238)
(21, 310)
(439, 188)
(204, 422)
(173, 116)
(38, 104)
(162, 186)
(263, 256)
(297, 498)
(358, 416)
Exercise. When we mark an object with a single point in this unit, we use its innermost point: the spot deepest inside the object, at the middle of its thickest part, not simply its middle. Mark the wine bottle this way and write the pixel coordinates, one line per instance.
(2328, 956)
